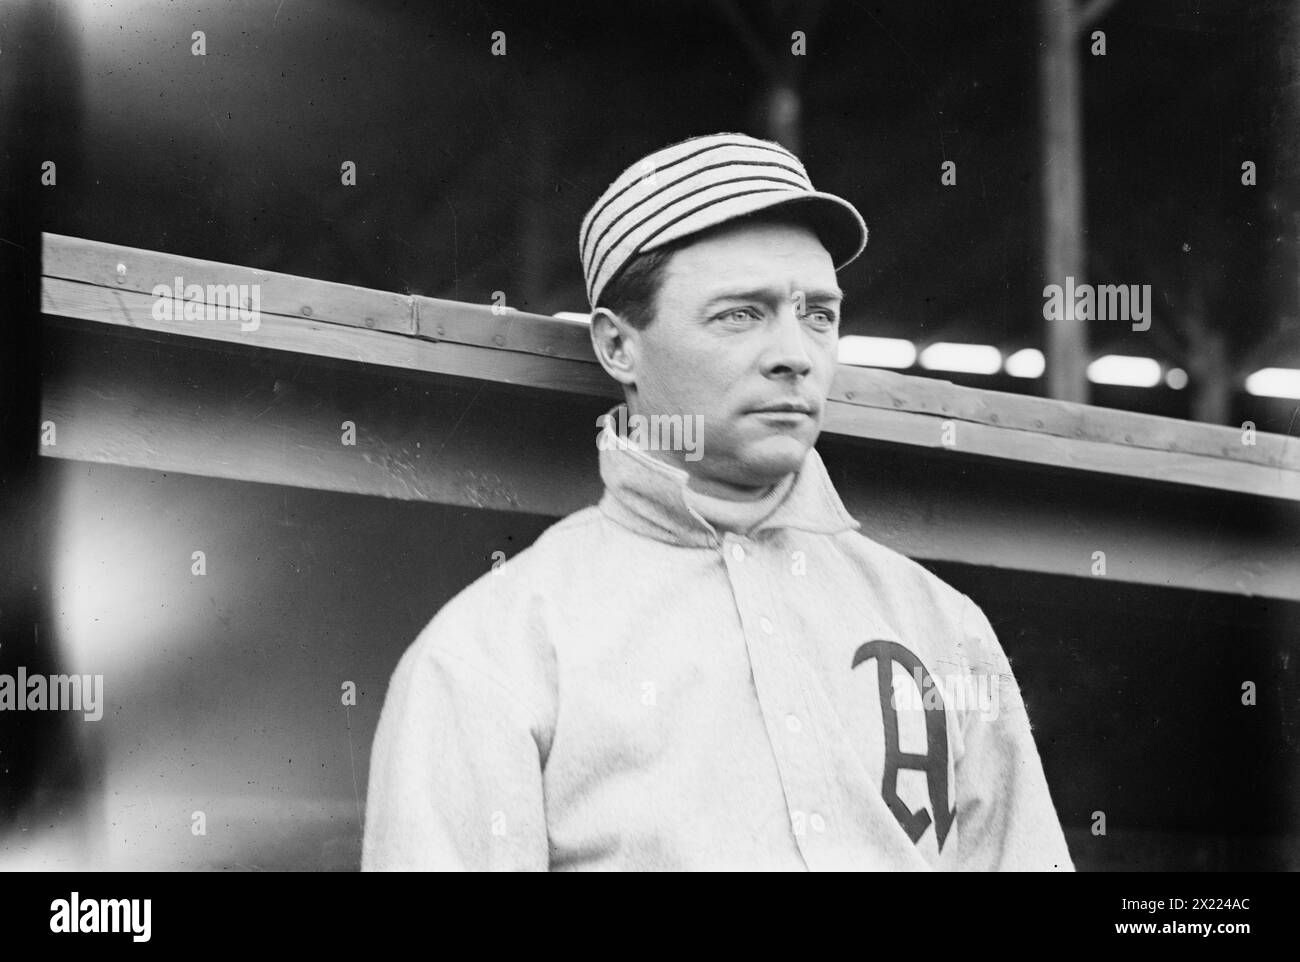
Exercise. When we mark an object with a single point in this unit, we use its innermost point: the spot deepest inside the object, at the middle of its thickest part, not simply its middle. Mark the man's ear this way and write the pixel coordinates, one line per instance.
(615, 344)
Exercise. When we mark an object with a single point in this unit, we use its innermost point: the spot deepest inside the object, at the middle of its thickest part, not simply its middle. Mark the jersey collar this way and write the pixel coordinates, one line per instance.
(650, 497)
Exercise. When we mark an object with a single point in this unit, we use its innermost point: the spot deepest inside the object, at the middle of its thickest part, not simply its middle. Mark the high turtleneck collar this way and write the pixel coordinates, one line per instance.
(651, 497)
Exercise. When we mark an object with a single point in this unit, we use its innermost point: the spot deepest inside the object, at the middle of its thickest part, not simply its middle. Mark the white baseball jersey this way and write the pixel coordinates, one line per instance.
(641, 690)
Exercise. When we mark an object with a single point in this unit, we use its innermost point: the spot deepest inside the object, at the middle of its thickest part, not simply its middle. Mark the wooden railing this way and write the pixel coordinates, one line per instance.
(140, 411)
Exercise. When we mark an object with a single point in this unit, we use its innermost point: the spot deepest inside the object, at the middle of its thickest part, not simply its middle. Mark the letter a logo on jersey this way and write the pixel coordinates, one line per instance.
(935, 760)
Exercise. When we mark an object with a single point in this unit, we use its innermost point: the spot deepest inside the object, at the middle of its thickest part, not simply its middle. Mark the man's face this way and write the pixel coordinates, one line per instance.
(746, 323)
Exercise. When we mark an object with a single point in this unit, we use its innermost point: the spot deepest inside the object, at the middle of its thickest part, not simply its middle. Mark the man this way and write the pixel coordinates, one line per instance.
(711, 669)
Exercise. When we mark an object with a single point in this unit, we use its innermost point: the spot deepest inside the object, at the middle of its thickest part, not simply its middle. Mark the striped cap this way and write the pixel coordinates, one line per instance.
(700, 183)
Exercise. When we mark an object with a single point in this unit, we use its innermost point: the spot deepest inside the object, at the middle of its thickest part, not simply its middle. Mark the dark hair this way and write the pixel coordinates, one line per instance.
(632, 292)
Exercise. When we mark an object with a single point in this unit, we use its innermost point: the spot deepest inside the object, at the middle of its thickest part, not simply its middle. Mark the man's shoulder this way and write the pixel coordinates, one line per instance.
(564, 541)
(905, 581)
(494, 626)
(513, 585)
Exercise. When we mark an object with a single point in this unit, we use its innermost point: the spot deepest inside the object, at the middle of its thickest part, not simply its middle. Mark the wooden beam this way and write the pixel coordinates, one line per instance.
(112, 285)
(890, 391)
(316, 337)
(1069, 454)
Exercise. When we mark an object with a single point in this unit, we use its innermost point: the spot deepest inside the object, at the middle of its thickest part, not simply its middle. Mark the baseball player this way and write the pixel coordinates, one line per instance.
(712, 668)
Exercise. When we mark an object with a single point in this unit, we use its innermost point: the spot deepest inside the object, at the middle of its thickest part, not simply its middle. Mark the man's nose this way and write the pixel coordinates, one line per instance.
(787, 353)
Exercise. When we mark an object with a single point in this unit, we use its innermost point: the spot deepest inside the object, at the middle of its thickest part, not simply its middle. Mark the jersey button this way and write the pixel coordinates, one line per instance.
(737, 553)
(793, 724)
(766, 625)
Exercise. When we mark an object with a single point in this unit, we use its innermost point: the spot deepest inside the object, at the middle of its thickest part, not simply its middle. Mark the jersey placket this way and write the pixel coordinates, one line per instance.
(778, 681)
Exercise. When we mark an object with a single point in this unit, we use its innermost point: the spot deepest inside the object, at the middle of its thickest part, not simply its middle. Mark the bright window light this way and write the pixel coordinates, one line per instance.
(573, 316)
(1026, 363)
(963, 358)
(1125, 370)
(1274, 382)
(876, 351)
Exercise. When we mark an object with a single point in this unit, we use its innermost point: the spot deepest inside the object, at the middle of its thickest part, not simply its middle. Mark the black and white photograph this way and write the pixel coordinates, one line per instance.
(714, 436)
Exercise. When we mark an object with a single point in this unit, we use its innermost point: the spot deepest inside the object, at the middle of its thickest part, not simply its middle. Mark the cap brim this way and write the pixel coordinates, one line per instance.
(836, 222)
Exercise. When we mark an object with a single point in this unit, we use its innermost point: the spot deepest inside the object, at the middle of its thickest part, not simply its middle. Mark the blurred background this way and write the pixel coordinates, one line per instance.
(473, 174)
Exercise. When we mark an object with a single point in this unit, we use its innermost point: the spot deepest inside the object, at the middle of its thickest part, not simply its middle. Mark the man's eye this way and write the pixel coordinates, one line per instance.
(741, 314)
(821, 318)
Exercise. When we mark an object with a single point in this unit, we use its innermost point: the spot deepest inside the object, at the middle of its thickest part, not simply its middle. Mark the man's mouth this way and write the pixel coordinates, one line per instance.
(785, 407)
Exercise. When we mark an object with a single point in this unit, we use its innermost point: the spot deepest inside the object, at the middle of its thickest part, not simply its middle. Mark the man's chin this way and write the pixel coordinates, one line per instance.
(769, 460)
